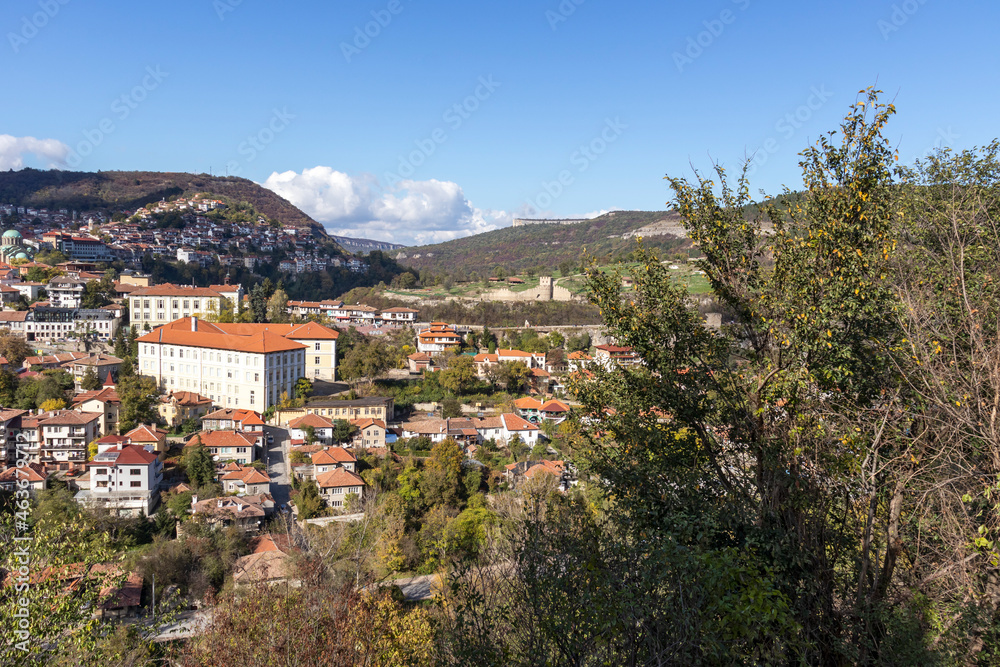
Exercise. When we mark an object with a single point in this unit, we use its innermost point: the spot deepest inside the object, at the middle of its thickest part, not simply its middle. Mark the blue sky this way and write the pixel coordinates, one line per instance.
(362, 132)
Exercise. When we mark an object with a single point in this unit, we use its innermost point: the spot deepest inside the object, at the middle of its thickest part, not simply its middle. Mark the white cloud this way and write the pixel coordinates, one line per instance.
(13, 149)
(410, 212)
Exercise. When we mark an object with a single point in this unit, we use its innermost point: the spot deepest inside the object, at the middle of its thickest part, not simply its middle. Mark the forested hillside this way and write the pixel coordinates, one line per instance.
(129, 190)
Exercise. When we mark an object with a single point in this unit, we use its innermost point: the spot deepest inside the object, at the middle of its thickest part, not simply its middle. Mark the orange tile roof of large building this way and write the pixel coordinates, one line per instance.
(169, 289)
(195, 334)
(315, 421)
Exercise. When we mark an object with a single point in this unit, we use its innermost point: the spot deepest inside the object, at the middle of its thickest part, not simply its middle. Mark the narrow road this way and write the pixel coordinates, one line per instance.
(276, 456)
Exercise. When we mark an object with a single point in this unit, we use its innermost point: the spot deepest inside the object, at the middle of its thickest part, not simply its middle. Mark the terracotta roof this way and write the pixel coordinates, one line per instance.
(261, 566)
(247, 475)
(126, 455)
(515, 423)
(221, 439)
(332, 456)
(480, 358)
(555, 406)
(8, 414)
(312, 331)
(105, 395)
(512, 353)
(259, 343)
(143, 433)
(169, 289)
(419, 356)
(34, 473)
(69, 418)
(580, 356)
(315, 421)
(527, 403)
(190, 398)
(549, 467)
(365, 423)
(271, 542)
(338, 478)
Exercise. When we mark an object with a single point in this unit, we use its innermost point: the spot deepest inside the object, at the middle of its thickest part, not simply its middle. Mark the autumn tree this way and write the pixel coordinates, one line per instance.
(138, 394)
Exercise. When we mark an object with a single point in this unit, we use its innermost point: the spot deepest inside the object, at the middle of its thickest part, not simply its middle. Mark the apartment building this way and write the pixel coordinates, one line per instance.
(249, 371)
(66, 292)
(63, 438)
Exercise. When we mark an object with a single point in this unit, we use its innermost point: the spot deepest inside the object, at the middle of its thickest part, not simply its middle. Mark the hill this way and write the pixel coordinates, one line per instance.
(546, 245)
(128, 190)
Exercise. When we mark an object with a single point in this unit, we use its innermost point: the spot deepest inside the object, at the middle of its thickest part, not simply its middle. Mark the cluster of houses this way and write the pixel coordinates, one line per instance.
(358, 314)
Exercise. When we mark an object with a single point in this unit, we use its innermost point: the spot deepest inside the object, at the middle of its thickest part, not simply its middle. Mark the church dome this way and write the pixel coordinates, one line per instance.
(12, 234)
(22, 255)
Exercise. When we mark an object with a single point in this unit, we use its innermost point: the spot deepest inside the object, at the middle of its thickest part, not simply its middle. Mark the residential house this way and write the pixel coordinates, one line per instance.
(578, 361)
(104, 401)
(10, 427)
(64, 436)
(269, 562)
(178, 407)
(124, 479)
(609, 355)
(248, 513)
(227, 445)
(148, 436)
(336, 485)
(371, 433)
(322, 428)
(244, 480)
(418, 362)
(439, 337)
(104, 366)
(66, 292)
(331, 458)
(31, 477)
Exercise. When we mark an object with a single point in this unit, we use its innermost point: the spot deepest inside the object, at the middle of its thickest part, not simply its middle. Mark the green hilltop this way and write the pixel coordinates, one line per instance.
(605, 238)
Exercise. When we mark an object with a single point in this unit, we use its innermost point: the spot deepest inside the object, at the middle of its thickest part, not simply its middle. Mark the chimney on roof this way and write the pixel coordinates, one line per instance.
(194, 323)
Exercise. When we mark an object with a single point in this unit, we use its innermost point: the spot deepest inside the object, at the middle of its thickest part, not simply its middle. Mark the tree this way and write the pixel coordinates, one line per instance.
(198, 464)
(451, 407)
(511, 375)
(366, 360)
(277, 307)
(90, 381)
(407, 280)
(308, 501)
(343, 430)
(52, 404)
(258, 303)
(580, 343)
(8, 388)
(310, 434)
(565, 268)
(14, 348)
(460, 374)
(303, 388)
(138, 394)
(441, 480)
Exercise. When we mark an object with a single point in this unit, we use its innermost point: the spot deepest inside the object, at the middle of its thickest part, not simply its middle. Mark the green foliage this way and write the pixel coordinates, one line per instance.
(343, 430)
(90, 381)
(450, 407)
(138, 394)
(460, 375)
(198, 465)
(308, 501)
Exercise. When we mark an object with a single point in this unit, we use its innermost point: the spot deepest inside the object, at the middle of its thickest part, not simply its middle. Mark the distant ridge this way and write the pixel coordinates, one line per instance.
(520, 222)
(362, 246)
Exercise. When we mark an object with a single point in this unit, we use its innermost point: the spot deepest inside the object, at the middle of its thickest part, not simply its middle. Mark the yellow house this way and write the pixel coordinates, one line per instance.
(183, 405)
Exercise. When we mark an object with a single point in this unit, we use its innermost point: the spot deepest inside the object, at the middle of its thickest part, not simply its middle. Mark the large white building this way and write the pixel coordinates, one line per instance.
(248, 367)
(161, 304)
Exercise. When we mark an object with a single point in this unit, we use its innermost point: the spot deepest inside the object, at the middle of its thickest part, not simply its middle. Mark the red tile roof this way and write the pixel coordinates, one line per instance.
(332, 456)
(338, 478)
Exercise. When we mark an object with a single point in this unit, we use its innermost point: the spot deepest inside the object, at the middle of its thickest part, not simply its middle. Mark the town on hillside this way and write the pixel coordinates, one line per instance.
(221, 410)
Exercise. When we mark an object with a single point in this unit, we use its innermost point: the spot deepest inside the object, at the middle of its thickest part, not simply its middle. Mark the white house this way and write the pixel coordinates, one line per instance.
(124, 479)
